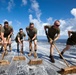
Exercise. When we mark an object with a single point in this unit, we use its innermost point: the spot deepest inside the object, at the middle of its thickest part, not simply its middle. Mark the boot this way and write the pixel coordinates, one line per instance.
(61, 54)
(52, 59)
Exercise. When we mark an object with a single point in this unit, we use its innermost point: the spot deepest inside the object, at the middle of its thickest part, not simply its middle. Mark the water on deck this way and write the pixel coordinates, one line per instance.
(46, 68)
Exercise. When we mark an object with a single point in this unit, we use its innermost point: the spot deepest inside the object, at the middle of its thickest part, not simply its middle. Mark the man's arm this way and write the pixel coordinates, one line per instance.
(19, 39)
(57, 37)
(24, 36)
(11, 32)
(27, 30)
(46, 27)
(34, 37)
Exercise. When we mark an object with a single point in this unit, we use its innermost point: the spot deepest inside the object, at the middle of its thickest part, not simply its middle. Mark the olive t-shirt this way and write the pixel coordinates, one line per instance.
(20, 36)
(7, 31)
(31, 32)
(53, 31)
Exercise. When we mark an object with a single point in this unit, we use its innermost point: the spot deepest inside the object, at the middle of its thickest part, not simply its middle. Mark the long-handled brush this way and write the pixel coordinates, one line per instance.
(35, 60)
(69, 69)
(4, 62)
(16, 58)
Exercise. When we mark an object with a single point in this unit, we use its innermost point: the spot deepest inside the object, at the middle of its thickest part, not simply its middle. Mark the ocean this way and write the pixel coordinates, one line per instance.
(58, 41)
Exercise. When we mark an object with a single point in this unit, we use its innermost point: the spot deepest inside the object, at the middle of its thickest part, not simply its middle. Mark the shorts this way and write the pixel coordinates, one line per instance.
(17, 40)
(30, 39)
(70, 42)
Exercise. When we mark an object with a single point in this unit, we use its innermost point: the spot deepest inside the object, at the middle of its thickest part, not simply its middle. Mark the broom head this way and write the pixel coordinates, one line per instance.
(4, 62)
(36, 61)
(68, 70)
(16, 58)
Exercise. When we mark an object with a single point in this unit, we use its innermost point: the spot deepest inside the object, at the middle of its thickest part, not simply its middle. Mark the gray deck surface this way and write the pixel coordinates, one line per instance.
(46, 68)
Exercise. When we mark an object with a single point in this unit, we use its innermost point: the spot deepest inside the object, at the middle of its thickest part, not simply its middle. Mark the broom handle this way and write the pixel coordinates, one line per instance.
(3, 55)
(61, 56)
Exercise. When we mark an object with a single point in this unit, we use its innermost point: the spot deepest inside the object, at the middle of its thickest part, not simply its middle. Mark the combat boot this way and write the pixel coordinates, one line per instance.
(52, 59)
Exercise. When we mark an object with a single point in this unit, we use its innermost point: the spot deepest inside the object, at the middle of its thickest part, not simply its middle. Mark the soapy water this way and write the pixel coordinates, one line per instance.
(31, 70)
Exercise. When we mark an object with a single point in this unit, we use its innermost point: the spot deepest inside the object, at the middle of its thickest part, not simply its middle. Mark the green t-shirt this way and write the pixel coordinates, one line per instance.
(53, 31)
(20, 36)
(7, 31)
(31, 32)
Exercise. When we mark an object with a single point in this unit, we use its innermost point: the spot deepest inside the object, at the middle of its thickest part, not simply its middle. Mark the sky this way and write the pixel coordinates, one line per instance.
(19, 13)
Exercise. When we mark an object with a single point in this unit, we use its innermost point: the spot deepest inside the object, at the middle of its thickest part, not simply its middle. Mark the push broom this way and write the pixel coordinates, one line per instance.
(69, 69)
(19, 57)
(35, 61)
(4, 62)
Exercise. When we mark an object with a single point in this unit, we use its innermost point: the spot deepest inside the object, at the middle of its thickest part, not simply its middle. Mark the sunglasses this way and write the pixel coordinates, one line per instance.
(57, 25)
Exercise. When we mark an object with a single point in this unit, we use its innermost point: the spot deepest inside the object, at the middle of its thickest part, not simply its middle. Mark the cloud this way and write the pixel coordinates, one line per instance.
(37, 21)
(35, 7)
(66, 24)
(73, 12)
(18, 23)
(50, 20)
(24, 2)
(11, 4)
(38, 25)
